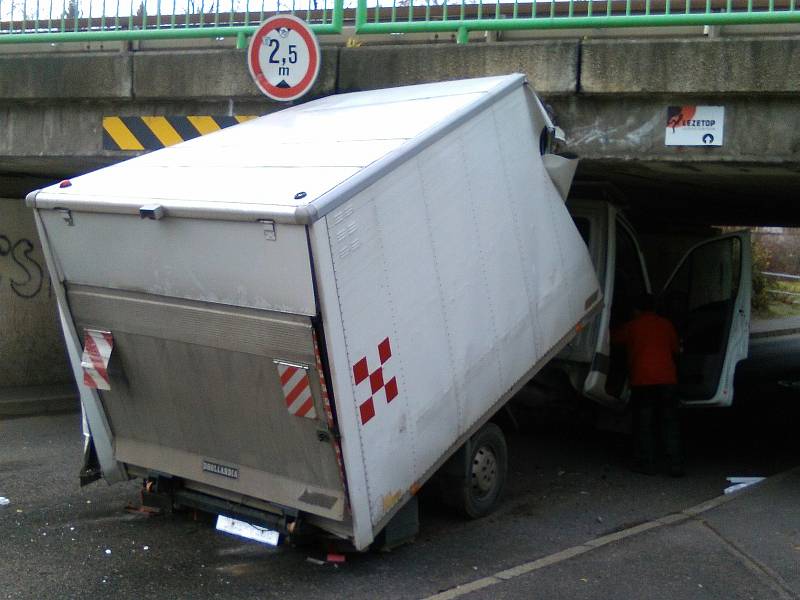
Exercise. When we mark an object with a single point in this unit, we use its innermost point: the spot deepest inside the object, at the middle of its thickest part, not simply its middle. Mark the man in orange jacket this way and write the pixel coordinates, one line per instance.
(652, 343)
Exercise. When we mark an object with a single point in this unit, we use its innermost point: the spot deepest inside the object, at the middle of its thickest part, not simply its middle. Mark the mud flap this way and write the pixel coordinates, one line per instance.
(401, 529)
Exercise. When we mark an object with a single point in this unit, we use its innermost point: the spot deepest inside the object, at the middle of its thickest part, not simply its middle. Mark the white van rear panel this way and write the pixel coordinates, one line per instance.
(194, 259)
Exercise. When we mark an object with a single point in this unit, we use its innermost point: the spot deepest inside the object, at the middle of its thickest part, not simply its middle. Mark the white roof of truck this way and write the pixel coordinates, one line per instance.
(293, 165)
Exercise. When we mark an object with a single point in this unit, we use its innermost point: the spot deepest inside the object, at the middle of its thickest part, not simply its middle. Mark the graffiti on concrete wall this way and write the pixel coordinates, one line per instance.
(19, 269)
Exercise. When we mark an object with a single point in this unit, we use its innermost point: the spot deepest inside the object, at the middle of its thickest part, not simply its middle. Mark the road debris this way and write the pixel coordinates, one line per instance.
(144, 509)
(738, 483)
(333, 557)
(792, 385)
(4, 501)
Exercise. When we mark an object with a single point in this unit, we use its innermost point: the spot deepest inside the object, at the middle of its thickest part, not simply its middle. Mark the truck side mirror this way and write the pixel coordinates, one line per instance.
(550, 138)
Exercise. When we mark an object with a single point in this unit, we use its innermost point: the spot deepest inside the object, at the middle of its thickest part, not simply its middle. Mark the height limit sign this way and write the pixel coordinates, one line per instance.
(284, 58)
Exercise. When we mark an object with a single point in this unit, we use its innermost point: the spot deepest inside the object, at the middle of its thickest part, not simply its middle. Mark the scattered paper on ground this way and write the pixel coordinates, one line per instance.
(738, 483)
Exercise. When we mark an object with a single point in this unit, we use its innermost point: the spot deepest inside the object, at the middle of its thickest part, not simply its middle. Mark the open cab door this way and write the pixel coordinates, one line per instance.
(707, 297)
(624, 278)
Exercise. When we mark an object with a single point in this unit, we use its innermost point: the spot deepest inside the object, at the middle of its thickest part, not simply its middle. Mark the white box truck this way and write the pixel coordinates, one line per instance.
(298, 320)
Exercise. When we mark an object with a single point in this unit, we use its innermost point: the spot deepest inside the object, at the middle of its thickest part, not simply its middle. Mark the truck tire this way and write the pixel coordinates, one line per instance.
(483, 467)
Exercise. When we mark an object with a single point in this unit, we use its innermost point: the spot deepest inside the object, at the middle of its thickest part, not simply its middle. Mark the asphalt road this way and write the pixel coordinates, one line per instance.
(568, 484)
(742, 546)
(771, 358)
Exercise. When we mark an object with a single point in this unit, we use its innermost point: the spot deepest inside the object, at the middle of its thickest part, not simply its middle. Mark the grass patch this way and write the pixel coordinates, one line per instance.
(782, 304)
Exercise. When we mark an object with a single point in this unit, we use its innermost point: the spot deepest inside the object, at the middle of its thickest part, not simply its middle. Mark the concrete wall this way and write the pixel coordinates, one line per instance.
(610, 95)
(551, 66)
(31, 346)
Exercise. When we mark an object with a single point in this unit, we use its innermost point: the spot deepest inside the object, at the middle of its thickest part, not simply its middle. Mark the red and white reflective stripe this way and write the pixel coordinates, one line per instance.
(296, 389)
(97, 347)
(326, 404)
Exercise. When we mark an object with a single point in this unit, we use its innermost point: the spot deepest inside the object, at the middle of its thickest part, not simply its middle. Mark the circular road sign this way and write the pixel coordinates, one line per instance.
(284, 57)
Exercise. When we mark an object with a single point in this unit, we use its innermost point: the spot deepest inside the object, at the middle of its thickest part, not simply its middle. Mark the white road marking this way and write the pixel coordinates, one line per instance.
(552, 559)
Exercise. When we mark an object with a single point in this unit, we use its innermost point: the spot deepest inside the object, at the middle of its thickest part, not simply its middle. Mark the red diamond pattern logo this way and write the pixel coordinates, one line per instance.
(391, 389)
(360, 370)
(376, 380)
(367, 410)
(384, 351)
(361, 373)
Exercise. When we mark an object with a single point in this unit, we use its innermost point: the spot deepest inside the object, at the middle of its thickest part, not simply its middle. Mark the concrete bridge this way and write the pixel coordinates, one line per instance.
(609, 94)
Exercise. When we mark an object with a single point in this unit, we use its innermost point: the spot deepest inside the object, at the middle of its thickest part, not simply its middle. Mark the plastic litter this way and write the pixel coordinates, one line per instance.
(247, 530)
(315, 561)
(4, 501)
(738, 483)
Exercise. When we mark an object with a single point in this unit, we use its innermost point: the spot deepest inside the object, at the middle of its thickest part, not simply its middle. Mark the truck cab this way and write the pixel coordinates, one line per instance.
(707, 297)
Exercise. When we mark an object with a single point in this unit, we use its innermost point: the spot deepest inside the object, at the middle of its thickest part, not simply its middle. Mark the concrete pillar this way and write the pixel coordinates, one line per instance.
(31, 344)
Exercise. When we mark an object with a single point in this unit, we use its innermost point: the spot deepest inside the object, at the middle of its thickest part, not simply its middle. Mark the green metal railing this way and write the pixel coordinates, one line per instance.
(54, 21)
(408, 16)
(99, 20)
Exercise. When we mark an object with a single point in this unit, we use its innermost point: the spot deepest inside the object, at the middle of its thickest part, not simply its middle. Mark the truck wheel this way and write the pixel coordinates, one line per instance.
(484, 473)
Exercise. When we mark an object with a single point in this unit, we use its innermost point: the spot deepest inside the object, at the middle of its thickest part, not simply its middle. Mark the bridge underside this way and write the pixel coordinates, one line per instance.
(713, 194)
(651, 191)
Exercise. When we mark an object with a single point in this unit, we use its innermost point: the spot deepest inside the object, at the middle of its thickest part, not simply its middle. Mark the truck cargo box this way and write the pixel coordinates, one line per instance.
(308, 313)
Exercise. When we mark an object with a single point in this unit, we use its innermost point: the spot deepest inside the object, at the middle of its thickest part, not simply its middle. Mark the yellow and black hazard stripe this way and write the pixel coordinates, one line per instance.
(152, 133)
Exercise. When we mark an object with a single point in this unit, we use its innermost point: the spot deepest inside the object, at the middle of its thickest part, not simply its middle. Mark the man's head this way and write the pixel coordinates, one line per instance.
(645, 303)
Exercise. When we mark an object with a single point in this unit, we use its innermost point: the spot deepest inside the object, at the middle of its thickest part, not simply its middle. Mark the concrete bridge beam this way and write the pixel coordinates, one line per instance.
(609, 94)
(552, 66)
(706, 66)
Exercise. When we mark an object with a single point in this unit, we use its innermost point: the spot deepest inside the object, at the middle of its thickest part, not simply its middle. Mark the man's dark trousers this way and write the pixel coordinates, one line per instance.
(656, 415)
